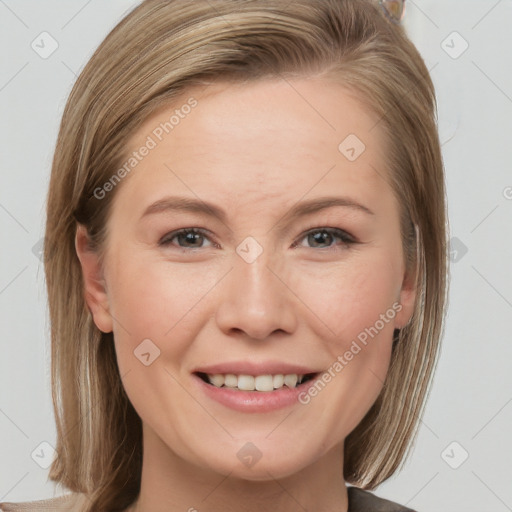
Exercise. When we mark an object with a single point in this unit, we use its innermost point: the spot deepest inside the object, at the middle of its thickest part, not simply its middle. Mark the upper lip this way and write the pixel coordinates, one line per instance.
(254, 368)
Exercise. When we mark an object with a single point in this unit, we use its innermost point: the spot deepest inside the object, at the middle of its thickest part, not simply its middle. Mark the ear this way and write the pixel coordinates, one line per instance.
(407, 299)
(94, 285)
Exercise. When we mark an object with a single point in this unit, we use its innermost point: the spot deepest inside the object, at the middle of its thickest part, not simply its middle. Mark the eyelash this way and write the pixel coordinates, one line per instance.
(345, 237)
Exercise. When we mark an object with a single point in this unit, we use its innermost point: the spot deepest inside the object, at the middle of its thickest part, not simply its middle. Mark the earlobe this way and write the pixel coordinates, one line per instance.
(94, 285)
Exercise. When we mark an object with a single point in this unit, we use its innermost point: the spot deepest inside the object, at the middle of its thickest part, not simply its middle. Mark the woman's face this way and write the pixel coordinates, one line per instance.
(291, 264)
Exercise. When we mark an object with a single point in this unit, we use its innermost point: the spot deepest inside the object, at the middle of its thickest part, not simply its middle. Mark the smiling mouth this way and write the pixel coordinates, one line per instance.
(263, 383)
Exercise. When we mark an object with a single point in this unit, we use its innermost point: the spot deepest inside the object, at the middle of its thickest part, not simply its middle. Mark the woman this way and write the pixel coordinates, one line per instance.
(245, 258)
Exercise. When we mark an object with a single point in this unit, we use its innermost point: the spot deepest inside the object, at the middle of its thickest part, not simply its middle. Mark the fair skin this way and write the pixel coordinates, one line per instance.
(254, 151)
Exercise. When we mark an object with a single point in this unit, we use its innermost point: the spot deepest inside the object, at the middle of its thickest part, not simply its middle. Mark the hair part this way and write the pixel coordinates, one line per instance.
(151, 58)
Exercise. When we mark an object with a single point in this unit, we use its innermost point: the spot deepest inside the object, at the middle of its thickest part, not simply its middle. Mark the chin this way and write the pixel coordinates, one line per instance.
(262, 460)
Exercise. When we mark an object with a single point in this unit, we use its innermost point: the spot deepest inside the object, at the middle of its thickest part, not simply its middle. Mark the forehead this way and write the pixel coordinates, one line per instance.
(260, 140)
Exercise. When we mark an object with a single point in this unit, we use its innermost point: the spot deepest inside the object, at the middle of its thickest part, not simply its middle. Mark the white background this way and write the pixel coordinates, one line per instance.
(471, 399)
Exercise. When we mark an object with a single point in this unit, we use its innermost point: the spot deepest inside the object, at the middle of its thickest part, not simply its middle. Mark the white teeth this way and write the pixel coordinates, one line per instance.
(278, 381)
(246, 382)
(230, 380)
(258, 383)
(218, 380)
(264, 383)
(290, 380)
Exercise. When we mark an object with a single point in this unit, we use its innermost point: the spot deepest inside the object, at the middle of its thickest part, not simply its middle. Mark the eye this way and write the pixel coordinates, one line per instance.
(189, 238)
(324, 238)
(195, 238)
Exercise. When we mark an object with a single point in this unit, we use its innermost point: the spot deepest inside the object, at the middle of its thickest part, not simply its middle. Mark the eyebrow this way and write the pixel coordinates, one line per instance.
(301, 209)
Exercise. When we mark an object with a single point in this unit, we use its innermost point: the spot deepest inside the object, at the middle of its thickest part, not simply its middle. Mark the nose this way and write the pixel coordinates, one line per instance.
(255, 300)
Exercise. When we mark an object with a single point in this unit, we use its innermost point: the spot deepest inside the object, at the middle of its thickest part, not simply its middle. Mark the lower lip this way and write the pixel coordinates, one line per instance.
(254, 401)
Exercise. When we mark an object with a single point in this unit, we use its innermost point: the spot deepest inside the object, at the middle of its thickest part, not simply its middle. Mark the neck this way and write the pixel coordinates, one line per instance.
(170, 484)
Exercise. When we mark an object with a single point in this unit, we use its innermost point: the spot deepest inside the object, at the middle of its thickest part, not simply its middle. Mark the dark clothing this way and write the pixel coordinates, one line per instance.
(358, 501)
(364, 501)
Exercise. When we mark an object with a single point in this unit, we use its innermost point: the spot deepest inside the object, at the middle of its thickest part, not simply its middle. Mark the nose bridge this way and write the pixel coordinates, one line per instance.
(257, 283)
(255, 300)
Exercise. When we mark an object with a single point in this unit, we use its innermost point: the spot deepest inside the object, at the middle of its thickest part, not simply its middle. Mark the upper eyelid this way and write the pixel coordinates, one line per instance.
(328, 229)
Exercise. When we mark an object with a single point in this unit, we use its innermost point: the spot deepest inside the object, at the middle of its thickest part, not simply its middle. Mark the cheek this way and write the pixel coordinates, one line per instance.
(356, 309)
(347, 299)
(158, 312)
(158, 301)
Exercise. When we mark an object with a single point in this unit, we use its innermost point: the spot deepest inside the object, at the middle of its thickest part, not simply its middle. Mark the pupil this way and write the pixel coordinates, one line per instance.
(192, 237)
(321, 237)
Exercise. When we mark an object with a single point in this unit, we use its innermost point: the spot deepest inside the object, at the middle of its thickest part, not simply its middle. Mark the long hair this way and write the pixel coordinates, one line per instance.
(151, 57)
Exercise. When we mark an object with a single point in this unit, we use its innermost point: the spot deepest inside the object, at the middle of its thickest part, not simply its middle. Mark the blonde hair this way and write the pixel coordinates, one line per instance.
(150, 58)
